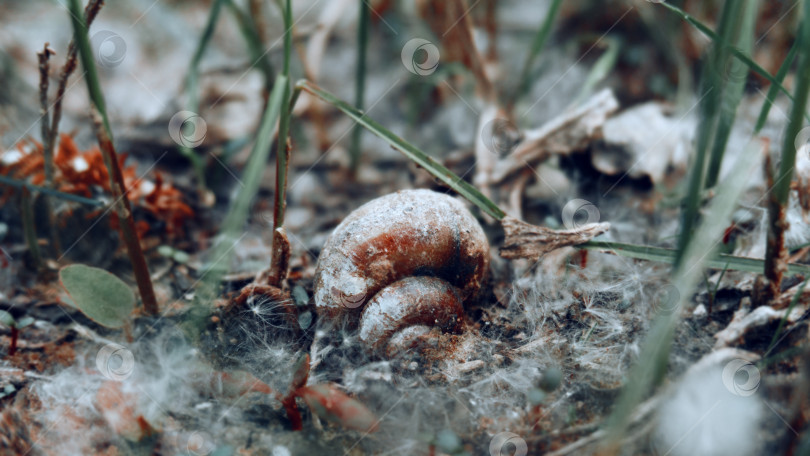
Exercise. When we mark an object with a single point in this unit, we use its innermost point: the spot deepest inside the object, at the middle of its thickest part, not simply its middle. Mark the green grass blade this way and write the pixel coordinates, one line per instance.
(537, 46)
(237, 213)
(191, 88)
(601, 69)
(710, 102)
(288, 24)
(89, 65)
(774, 89)
(258, 55)
(783, 179)
(732, 91)
(652, 363)
(780, 192)
(754, 66)
(665, 255)
(793, 302)
(360, 80)
(193, 73)
(420, 158)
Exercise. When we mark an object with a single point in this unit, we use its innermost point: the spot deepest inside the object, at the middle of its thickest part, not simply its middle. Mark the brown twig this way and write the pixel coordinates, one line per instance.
(776, 254)
(123, 210)
(280, 245)
(15, 334)
(451, 22)
(257, 14)
(47, 152)
(280, 262)
(44, 69)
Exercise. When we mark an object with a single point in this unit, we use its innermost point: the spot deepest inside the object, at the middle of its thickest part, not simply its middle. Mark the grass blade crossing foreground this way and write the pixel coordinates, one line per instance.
(234, 221)
(735, 75)
(712, 89)
(652, 363)
(420, 158)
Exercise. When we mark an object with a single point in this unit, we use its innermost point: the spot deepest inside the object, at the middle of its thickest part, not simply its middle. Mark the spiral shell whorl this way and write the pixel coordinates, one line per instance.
(404, 234)
(409, 302)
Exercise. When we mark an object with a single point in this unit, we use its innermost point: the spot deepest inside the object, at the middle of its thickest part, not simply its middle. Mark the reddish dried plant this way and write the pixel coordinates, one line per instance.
(83, 172)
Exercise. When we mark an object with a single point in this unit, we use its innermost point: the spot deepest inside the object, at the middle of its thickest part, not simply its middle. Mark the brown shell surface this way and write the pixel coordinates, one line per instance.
(409, 338)
(403, 234)
(412, 301)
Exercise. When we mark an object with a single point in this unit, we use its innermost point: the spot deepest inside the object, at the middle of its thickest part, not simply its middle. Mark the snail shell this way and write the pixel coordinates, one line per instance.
(411, 233)
(404, 307)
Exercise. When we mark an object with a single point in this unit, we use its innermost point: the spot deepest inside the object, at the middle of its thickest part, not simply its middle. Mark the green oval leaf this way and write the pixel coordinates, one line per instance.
(7, 319)
(103, 297)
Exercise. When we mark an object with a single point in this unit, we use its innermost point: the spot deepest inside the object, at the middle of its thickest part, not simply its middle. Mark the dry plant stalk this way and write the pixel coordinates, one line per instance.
(44, 70)
(123, 210)
(280, 261)
(450, 20)
(776, 256)
(44, 73)
(524, 240)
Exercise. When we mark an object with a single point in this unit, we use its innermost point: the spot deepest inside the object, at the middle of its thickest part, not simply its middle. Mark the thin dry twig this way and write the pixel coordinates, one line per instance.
(44, 80)
(452, 23)
(123, 210)
(776, 254)
(44, 70)
(280, 261)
